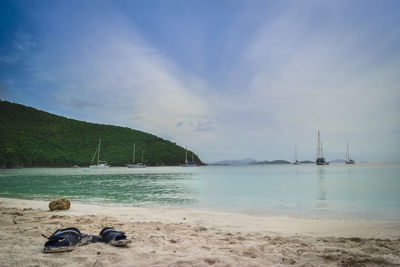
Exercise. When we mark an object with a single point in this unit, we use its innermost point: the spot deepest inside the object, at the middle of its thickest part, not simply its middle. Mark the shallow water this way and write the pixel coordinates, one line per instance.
(334, 191)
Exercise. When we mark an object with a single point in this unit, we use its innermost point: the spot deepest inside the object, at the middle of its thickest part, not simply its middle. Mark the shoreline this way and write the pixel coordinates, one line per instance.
(208, 164)
(277, 225)
(177, 237)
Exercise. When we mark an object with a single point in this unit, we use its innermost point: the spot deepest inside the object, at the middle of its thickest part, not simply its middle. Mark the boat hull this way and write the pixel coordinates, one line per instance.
(321, 161)
(99, 166)
(137, 165)
(189, 165)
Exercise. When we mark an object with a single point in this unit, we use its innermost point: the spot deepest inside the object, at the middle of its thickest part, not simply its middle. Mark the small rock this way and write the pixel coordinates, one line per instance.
(60, 204)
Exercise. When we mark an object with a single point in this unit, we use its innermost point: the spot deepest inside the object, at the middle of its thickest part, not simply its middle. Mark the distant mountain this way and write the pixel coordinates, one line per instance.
(246, 161)
(338, 161)
(249, 161)
(279, 161)
(35, 138)
(307, 161)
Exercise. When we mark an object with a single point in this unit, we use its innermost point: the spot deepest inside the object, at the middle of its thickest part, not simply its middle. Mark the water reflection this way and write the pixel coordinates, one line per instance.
(322, 203)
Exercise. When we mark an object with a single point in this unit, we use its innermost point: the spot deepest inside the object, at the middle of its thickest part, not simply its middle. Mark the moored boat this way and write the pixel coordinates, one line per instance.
(100, 163)
(320, 157)
(295, 162)
(139, 164)
(348, 159)
(188, 163)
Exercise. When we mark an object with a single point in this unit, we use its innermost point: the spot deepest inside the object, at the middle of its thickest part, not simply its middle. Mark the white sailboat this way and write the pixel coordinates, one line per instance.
(295, 162)
(99, 164)
(139, 164)
(348, 160)
(320, 157)
(188, 163)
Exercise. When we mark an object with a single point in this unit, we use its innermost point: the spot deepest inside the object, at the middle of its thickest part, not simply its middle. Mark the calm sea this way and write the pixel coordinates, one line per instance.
(335, 191)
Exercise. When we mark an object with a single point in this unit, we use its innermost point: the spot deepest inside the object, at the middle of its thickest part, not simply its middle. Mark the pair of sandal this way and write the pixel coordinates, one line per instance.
(68, 238)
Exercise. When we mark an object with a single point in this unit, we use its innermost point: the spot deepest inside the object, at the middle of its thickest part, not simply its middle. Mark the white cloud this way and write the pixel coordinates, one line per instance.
(114, 76)
(301, 78)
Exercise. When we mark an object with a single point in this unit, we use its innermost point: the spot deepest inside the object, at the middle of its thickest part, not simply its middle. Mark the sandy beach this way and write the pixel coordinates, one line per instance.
(179, 237)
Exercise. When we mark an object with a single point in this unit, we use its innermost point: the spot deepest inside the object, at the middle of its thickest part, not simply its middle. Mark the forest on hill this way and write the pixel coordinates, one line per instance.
(35, 138)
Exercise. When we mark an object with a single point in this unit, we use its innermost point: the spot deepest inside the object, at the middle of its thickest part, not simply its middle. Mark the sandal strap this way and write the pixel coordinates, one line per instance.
(60, 232)
(112, 230)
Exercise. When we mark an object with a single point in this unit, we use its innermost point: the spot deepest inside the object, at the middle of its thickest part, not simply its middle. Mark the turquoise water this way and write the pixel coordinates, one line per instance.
(338, 191)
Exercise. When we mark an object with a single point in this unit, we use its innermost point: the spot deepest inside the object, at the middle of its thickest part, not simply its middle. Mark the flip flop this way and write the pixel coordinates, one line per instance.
(67, 239)
(113, 237)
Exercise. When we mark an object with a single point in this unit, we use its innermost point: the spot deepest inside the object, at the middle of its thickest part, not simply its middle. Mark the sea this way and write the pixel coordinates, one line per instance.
(359, 191)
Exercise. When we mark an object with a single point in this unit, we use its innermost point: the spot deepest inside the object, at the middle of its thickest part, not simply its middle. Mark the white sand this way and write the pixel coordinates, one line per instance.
(229, 221)
(165, 236)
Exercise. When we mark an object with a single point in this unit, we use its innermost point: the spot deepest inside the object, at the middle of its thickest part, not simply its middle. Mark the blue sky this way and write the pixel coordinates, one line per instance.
(228, 79)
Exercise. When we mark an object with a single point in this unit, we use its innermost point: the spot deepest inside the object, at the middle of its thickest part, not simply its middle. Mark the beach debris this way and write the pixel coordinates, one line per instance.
(60, 204)
(210, 261)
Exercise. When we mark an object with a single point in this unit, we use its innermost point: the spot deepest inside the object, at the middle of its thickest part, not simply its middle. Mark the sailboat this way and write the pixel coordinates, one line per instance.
(188, 163)
(348, 160)
(296, 162)
(139, 164)
(99, 164)
(320, 158)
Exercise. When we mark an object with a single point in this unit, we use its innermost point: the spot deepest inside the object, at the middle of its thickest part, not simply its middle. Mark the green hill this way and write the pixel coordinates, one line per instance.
(34, 138)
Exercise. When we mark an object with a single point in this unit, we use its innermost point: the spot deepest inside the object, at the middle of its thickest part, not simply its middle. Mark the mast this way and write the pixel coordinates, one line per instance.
(322, 152)
(142, 156)
(319, 149)
(295, 153)
(94, 155)
(98, 154)
(347, 152)
(133, 159)
(186, 155)
(192, 157)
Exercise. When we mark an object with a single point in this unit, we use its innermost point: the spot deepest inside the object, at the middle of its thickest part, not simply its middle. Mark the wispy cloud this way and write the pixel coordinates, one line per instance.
(8, 59)
(24, 41)
(116, 77)
(301, 77)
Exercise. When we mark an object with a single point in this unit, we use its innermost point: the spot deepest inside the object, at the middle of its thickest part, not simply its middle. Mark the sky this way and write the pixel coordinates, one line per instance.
(228, 79)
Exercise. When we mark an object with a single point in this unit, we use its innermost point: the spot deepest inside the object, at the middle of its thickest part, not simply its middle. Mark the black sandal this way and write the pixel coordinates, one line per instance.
(67, 239)
(113, 237)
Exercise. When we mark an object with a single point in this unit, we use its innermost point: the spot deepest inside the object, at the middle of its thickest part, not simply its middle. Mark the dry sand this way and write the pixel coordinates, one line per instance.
(179, 237)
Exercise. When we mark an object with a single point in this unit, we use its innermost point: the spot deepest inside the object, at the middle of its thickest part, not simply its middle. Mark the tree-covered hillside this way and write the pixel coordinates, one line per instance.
(34, 138)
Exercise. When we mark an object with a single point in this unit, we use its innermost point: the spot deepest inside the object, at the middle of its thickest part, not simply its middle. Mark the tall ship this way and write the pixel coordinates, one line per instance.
(188, 163)
(100, 163)
(139, 164)
(320, 156)
(348, 159)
